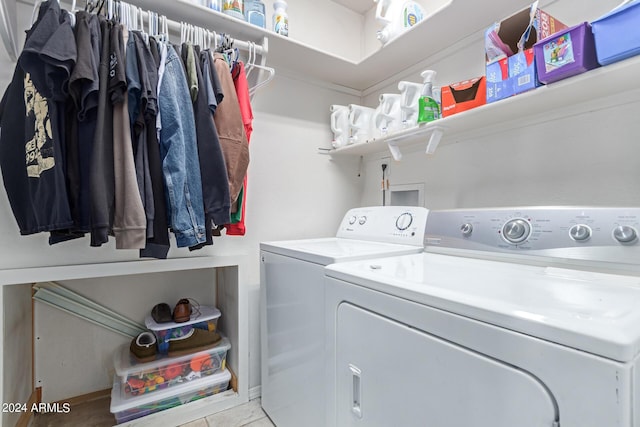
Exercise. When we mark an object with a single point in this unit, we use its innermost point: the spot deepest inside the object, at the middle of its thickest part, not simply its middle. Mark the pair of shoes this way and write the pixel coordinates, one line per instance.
(143, 347)
(195, 340)
(161, 313)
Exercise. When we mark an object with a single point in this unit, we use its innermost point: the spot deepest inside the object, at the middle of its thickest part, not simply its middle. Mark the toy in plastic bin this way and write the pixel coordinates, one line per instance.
(166, 372)
(205, 317)
(126, 409)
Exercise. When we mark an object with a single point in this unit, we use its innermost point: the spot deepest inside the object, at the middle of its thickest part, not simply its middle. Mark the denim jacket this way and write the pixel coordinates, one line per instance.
(179, 152)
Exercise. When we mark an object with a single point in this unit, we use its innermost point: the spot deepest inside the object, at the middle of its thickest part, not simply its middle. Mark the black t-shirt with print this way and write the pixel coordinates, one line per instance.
(31, 114)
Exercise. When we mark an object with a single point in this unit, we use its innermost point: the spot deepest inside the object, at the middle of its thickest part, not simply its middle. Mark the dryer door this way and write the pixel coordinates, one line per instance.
(391, 375)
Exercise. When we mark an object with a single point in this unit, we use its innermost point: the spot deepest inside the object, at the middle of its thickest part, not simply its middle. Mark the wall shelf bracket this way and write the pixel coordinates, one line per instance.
(434, 140)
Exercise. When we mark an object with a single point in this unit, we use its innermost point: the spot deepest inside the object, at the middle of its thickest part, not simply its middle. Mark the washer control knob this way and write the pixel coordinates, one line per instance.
(516, 230)
(362, 220)
(625, 234)
(580, 232)
(352, 219)
(466, 229)
(404, 221)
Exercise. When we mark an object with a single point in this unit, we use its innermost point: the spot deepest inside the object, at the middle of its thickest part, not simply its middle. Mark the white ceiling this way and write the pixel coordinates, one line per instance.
(359, 6)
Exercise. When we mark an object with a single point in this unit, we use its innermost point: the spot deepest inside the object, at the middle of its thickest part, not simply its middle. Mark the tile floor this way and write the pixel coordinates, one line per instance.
(248, 415)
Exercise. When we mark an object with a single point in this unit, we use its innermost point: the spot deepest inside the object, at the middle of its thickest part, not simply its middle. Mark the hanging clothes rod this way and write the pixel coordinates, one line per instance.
(220, 38)
(260, 49)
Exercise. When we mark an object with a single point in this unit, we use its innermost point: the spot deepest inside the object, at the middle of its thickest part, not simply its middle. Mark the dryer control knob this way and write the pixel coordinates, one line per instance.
(466, 229)
(625, 234)
(404, 221)
(352, 219)
(580, 232)
(362, 220)
(516, 230)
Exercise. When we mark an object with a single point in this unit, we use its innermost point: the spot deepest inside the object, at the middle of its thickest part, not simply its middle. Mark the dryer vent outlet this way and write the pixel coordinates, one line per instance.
(406, 195)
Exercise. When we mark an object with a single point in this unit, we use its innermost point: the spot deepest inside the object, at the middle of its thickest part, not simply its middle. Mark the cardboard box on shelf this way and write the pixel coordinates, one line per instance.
(499, 86)
(463, 96)
(522, 71)
(512, 39)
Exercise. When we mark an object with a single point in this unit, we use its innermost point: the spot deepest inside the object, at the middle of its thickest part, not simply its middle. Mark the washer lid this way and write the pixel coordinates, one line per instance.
(330, 250)
(594, 312)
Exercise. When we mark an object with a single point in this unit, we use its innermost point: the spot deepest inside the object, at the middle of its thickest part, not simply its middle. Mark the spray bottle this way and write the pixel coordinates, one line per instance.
(396, 16)
(428, 109)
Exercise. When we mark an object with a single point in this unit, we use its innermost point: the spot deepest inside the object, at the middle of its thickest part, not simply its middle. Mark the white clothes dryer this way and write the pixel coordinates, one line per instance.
(511, 317)
(292, 304)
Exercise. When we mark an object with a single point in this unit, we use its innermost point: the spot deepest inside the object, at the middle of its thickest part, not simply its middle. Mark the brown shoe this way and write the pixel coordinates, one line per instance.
(195, 340)
(182, 311)
(143, 347)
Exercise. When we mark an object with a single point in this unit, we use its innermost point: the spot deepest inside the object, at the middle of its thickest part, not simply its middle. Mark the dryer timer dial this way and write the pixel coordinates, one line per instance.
(516, 230)
(404, 221)
(625, 234)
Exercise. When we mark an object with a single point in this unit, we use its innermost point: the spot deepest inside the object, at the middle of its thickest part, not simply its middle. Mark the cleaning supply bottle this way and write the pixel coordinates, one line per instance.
(280, 18)
(409, 97)
(233, 8)
(339, 125)
(428, 109)
(396, 16)
(254, 13)
(215, 5)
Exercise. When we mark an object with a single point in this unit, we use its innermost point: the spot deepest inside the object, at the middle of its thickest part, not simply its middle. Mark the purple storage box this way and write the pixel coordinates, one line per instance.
(566, 53)
(617, 34)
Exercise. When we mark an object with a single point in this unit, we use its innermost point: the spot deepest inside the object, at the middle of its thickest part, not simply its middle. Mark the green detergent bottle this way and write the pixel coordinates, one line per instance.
(428, 108)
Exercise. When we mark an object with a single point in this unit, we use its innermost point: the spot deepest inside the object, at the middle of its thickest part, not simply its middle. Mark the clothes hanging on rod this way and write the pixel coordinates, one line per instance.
(115, 148)
(230, 127)
(237, 226)
(31, 115)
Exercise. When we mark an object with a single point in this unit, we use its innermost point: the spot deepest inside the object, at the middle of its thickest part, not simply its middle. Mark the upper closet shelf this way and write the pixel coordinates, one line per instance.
(118, 268)
(453, 22)
(603, 87)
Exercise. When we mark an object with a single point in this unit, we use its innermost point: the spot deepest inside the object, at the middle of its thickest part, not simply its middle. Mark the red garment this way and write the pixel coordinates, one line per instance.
(242, 90)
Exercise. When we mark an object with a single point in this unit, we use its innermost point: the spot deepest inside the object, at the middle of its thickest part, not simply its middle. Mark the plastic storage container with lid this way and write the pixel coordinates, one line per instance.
(129, 409)
(202, 317)
(566, 53)
(617, 34)
(280, 18)
(166, 372)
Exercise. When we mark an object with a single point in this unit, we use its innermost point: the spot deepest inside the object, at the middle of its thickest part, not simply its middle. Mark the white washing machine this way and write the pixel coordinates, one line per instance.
(511, 317)
(292, 318)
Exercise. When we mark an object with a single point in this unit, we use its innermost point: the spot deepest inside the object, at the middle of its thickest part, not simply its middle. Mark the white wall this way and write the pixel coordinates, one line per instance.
(331, 27)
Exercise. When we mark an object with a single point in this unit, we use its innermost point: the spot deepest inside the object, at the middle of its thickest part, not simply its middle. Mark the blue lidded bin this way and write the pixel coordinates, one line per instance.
(617, 34)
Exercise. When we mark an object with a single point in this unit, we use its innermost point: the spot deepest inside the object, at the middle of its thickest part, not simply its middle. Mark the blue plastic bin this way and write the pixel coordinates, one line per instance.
(617, 34)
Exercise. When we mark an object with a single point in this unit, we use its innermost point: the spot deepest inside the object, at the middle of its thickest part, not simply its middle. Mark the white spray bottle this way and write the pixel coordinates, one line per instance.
(396, 16)
(428, 108)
